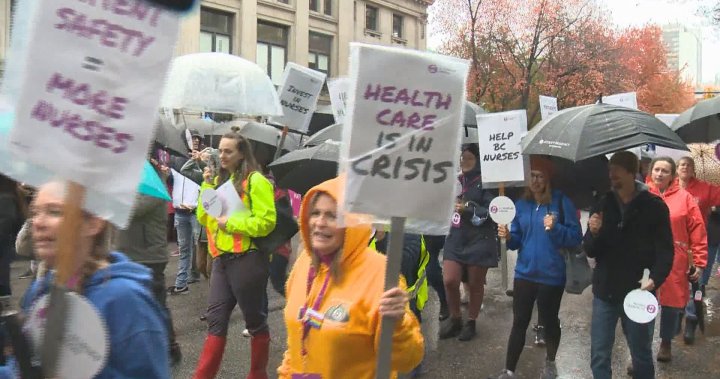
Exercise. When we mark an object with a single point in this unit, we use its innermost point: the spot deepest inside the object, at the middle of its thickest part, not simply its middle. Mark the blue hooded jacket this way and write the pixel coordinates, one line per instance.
(539, 260)
(136, 322)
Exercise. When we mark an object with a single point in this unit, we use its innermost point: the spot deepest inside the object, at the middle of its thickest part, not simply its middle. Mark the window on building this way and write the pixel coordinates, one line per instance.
(315, 5)
(371, 18)
(272, 42)
(284, 1)
(216, 29)
(397, 26)
(320, 52)
(328, 7)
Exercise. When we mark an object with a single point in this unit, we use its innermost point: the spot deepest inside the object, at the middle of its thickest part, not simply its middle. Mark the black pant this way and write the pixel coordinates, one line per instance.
(160, 292)
(434, 244)
(548, 302)
(238, 279)
(7, 254)
(278, 273)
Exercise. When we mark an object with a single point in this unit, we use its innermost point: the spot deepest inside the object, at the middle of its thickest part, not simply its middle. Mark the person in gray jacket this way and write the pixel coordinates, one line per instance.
(144, 241)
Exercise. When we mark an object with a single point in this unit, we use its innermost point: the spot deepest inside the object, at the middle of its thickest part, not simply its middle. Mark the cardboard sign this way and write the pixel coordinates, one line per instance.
(548, 107)
(403, 132)
(85, 346)
(502, 210)
(628, 99)
(185, 191)
(85, 112)
(298, 96)
(339, 88)
(499, 135)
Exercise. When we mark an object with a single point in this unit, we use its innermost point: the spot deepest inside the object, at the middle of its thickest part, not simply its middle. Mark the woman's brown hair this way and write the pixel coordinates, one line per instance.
(246, 166)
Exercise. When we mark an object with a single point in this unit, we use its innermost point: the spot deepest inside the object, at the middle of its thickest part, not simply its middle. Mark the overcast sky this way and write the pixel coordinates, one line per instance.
(639, 12)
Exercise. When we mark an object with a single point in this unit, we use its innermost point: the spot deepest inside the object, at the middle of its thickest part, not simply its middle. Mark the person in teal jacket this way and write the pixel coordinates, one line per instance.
(120, 290)
(546, 222)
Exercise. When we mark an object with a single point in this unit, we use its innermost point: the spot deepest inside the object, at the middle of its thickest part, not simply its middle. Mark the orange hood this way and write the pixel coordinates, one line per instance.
(357, 238)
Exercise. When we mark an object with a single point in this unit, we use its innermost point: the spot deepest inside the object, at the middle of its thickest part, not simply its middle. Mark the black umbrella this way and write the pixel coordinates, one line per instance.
(322, 118)
(332, 132)
(591, 130)
(582, 181)
(700, 123)
(303, 169)
(170, 137)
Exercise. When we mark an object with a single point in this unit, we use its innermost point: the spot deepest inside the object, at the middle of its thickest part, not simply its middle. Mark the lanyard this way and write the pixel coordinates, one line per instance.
(307, 313)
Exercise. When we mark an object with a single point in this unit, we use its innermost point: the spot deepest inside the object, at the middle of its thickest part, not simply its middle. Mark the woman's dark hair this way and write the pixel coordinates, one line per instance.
(473, 148)
(246, 166)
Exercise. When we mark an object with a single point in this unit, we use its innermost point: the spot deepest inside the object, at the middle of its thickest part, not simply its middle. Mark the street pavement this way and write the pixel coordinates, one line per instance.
(479, 358)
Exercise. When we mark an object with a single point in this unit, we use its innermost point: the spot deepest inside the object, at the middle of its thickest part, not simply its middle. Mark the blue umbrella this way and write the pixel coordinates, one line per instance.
(151, 184)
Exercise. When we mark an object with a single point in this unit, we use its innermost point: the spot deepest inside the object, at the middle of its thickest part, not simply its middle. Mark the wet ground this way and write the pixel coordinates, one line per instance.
(479, 358)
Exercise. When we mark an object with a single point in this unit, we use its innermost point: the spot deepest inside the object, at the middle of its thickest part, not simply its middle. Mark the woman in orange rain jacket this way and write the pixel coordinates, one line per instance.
(688, 229)
(704, 193)
(335, 300)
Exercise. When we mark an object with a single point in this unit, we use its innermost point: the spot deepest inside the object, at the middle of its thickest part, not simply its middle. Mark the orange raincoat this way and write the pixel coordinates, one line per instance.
(346, 344)
(688, 228)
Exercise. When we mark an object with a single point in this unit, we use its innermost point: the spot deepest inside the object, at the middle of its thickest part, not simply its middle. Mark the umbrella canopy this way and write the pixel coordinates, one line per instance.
(267, 134)
(151, 184)
(223, 83)
(170, 137)
(322, 118)
(303, 169)
(583, 181)
(700, 123)
(332, 132)
(591, 130)
(471, 110)
(707, 166)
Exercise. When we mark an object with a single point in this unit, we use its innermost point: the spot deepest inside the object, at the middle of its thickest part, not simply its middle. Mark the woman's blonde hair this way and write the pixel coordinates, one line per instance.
(99, 253)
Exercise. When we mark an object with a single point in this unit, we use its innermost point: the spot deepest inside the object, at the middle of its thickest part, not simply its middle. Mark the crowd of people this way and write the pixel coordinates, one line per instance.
(335, 301)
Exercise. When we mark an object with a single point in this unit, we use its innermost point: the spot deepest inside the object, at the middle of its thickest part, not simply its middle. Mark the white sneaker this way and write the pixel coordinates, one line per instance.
(246, 333)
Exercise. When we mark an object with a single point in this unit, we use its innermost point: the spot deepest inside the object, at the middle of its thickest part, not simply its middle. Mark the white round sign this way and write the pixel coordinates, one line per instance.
(502, 210)
(212, 203)
(85, 347)
(641, 306)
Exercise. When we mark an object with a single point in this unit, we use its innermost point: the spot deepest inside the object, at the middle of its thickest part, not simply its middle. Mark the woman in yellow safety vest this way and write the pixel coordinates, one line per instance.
(239, 269)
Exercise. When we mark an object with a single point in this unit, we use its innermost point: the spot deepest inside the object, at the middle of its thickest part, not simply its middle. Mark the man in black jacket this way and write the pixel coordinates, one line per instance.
(627, 233)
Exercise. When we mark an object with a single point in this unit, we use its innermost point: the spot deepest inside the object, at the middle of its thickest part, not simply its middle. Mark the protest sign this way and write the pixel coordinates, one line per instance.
(548, 106)
(85, 112)
(501, 158)
(298, 96)
(338, 89)
(403, 131)
(627, 99)
(185, 191)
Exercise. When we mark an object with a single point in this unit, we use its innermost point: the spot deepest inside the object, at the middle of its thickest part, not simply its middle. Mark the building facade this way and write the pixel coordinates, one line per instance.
(684, 51)
(313, 33)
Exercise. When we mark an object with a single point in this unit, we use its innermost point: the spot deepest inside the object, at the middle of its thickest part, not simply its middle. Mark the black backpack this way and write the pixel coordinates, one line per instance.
(285, 225)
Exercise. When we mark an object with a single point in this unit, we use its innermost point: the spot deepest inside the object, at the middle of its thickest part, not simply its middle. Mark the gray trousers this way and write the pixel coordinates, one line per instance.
(238, 279)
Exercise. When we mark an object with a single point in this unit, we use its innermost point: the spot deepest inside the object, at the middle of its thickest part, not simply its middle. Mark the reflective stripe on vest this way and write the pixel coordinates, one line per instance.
(419, 290)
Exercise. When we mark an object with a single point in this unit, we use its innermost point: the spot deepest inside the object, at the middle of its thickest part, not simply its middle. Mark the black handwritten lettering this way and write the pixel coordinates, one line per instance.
(401, 168)
(294, 107)
(501, 157)
(499, 146)
(387, 138)
(379, 166)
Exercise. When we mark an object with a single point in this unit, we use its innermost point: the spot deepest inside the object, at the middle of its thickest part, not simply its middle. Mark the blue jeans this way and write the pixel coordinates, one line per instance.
(669, 322)
(712, 255)
(188, 231)
(639, 339)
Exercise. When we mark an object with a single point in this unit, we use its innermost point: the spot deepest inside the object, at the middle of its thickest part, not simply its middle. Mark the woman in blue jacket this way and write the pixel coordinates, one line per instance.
(546, 221)
(118, 289)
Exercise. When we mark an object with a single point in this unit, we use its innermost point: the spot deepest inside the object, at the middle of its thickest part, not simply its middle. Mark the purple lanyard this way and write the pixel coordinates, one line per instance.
(316, 306)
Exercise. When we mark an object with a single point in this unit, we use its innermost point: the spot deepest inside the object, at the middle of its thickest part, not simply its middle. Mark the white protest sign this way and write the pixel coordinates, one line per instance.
(223, 201)
(548, 106)
(85, 112)
(667, 118)
(298, 96)
(85, 346)
(641, 306)
(338, 89)
(185, 191)
(212, 203)
(403, 131)
(627, 99)
(502, 210)
(499, 135)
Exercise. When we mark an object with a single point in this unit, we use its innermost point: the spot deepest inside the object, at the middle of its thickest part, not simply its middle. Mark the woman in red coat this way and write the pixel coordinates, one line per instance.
(690, 237)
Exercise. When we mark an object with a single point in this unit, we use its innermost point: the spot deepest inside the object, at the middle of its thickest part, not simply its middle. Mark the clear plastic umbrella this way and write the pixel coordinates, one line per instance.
(222, 83)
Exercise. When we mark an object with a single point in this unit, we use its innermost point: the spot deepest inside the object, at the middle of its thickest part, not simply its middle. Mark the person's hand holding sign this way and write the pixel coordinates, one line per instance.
(503, 232)
(207, 175)
(222, 222)
(393, 303)
(549, 222)
(459, 207)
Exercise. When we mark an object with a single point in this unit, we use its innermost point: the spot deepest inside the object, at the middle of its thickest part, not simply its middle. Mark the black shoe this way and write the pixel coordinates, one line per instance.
(451, 328)
(203, 317)
(510, 292)
(178, 291)
(539, 335)
(468, 331)
(689, 336)
(444, 312)
(175, 354)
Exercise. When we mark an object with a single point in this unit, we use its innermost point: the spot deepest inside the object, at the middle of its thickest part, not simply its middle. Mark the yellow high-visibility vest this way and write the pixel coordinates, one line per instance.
(419, 290)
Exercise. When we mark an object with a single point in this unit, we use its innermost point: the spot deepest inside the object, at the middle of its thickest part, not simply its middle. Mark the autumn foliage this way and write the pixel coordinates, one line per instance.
(562, 48)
